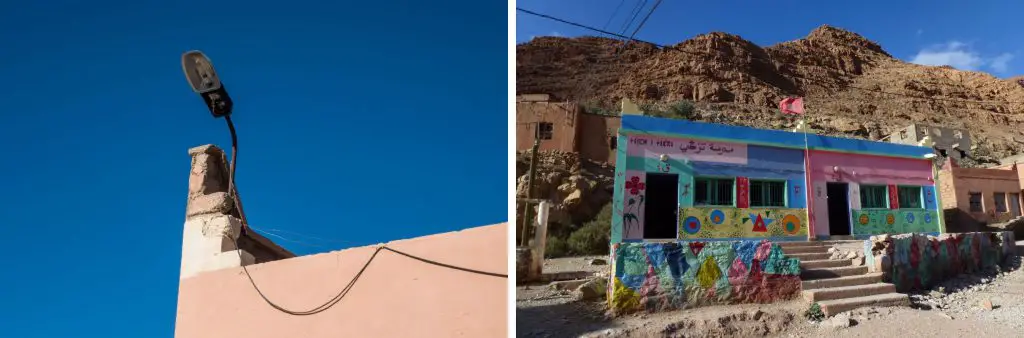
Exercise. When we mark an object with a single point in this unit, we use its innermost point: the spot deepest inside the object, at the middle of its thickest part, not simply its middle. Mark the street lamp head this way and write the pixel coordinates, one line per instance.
(204, 81)
(929, 155)
(199, 72)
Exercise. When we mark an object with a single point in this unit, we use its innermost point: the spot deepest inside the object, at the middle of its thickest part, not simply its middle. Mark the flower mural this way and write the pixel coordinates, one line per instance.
(634, 186)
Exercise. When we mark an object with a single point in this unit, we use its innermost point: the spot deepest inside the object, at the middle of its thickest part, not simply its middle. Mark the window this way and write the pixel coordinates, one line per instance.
(975, 199)
(713, 191)
(874, 196)
(909, 197)
(1000, 201)
(767, 193)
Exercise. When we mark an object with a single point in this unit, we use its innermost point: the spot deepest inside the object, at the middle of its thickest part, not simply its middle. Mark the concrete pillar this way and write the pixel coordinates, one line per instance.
(211, 226)
(540, 241)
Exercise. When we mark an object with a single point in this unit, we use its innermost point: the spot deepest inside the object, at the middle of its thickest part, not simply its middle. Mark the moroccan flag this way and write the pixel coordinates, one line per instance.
(792, 105)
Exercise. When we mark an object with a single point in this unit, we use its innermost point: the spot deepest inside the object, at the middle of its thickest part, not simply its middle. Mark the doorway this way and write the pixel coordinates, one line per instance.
(661, 206)
(1014, 204)
(838, 197)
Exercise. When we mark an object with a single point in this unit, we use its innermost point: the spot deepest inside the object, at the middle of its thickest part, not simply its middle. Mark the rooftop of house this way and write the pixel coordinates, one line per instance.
(636, 124)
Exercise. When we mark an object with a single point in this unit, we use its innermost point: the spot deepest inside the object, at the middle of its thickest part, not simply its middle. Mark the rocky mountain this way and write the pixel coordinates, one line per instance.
(852, 86)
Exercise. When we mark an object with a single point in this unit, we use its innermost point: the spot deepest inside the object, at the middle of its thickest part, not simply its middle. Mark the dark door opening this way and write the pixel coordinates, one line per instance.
(838, 208)
(661, 206)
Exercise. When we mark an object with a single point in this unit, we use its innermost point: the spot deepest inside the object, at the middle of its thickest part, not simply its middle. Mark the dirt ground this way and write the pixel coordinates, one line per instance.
(984, 305)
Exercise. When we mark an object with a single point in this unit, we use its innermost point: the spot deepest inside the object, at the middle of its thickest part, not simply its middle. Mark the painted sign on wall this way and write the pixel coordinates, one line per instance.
(693, 150)
(729, 222)
(675, 275)
(887, 221)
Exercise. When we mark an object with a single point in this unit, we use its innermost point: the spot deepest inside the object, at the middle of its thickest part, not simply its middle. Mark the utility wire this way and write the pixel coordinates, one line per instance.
(806, 80)
(633, 13)
(344, 291)
(641, 25)
(614, 13)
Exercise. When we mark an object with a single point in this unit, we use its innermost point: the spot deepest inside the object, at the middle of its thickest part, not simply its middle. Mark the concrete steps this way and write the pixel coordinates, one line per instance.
(869, 278)
(843, 271)
(823, 263)
(810, 256)
(837, 285)
(790, 250)
(835, 306)
(843, 292)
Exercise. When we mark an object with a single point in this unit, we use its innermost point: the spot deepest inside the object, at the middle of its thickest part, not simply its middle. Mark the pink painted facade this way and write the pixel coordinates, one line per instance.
(857, 170)
(395, 297)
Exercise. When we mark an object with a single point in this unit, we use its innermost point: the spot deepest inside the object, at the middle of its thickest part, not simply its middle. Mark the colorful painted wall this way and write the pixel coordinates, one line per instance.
(917, 261)
(693, 158)
(674, 275)
(861, 169)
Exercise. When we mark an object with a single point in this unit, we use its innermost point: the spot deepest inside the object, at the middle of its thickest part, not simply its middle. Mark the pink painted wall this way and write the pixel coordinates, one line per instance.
(395, 297)
(857, 169)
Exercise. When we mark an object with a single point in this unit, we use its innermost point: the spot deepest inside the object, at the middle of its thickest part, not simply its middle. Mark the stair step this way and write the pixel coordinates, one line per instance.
(810, 256)
(842, 292)
(798, 244)
(824, 263)
(842, 281)
(833, 307)
(833, 272)
(789, 250)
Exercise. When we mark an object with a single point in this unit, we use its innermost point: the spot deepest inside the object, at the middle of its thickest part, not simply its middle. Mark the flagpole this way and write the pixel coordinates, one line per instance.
(811, 233)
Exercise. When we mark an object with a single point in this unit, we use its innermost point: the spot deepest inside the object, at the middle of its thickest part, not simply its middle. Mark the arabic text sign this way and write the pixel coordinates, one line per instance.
(693, 150)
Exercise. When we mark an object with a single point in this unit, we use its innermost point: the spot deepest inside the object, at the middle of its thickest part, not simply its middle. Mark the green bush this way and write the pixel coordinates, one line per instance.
(593, 237)
(555, 247)
(814, 313)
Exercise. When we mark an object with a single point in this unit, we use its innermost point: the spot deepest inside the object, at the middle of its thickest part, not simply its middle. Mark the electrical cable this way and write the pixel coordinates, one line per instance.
(636, 11)
(808, 80)
(641, 25)
(344, 291)
(614, 13)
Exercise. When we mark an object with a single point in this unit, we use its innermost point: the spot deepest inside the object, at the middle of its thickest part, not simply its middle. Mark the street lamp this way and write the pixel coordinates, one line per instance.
(204, 81)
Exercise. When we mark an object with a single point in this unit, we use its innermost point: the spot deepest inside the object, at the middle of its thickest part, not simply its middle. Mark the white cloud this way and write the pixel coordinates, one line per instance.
(999, 63)
(961, 56)
(920, 31)
(555, 33)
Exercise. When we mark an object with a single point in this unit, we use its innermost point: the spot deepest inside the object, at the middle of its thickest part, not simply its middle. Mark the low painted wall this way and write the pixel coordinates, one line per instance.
(673, 275)
(917, 261)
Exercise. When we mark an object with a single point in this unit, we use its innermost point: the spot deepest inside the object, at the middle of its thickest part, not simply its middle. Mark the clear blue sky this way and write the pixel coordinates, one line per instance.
(361, 122)
(974, 35)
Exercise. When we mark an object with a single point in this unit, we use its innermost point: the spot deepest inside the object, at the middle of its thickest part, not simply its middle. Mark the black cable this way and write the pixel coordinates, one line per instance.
(636, 11)
(344, 291)
(678, 49)
(614, 13)
(641, 25)
(424, 260)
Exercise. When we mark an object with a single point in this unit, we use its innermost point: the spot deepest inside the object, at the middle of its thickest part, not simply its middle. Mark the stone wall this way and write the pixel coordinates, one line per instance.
(674, 275)
(917, 261)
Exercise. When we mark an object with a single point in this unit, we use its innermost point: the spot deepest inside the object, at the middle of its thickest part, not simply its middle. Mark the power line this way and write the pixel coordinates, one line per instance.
(633, 13)
(642, 22)
(614, 13)
(796, 76)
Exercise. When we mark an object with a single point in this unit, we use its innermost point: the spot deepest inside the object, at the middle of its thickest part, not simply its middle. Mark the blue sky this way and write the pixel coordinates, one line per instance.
(970, 35)
(359, 122)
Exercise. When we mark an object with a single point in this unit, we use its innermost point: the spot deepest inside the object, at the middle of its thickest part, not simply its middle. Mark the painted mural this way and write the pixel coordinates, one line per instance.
(917, 261)
(888, 221)
(632, 215)
(693, 150)
(736, 223)
(666, 276)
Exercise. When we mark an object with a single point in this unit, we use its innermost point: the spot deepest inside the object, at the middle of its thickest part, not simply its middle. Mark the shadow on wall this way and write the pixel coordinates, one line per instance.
(917, 262)
(675, 275)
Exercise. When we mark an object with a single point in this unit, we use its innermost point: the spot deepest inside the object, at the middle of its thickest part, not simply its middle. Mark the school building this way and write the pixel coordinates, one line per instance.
(684, 180)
